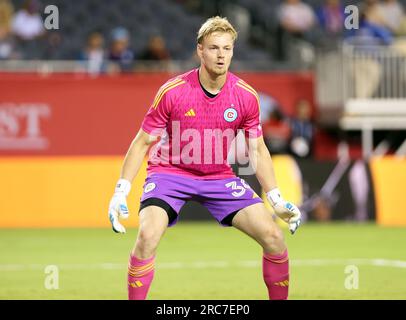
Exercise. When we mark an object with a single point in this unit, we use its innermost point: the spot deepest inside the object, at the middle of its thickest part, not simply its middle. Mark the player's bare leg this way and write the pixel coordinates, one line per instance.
(257, 222)
(152, 226)
(153, 223)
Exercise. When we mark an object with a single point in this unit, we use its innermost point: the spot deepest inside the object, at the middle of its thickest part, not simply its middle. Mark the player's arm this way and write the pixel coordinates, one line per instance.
(136, 154)
(153, 125)
(133, 160)
(262, 163)
(261, 159)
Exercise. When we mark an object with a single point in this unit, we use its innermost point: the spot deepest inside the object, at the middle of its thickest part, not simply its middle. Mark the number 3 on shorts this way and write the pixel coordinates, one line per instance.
(238, 190)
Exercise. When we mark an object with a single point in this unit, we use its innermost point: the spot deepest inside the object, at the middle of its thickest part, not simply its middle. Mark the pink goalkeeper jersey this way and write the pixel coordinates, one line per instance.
(196, 131)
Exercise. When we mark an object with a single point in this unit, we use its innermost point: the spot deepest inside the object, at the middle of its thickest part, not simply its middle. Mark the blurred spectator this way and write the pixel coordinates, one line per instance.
(296, 17)
(27, 23)
(94, 53)
(367, 71)
(393, 15)
(373, 12)
(296, 20)
(156, 50)
(268, 105)
(359, 186)
(322, 210)
(302, 130)
(28, 29)
(275, 129)
(6, 38)
(120, 53)
(52, 46)
(331, 17)
(156, 56)
(6, 14)
(276, 132)
(372, 29)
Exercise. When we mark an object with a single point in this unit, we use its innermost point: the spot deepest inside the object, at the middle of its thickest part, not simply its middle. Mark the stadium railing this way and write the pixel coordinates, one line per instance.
(374, 91)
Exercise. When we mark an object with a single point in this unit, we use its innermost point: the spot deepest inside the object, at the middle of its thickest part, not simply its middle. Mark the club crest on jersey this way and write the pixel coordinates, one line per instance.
(230, 114)
(149, 187)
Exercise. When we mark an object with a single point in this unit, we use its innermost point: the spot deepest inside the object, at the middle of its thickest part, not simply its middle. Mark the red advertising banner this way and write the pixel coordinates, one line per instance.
(69, 114)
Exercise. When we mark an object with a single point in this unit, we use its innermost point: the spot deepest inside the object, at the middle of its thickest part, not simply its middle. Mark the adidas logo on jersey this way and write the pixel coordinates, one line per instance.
(190, 113)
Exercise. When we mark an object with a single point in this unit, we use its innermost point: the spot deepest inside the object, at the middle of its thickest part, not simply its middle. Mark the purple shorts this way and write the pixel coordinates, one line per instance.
(222, 197)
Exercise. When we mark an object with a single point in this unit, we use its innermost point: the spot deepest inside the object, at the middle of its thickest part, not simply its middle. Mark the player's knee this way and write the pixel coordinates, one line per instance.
(146, 244)
(147, 237)
(273, 240)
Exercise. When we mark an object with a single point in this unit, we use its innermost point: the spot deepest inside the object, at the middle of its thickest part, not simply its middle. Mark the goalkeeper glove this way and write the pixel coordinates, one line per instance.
(285, 210)
(118, 205)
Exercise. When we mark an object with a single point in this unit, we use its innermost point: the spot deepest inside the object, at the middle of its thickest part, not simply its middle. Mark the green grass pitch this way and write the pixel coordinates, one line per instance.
(204, 261)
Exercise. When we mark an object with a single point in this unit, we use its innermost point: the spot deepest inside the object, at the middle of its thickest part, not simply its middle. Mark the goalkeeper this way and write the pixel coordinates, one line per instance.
(188, 164)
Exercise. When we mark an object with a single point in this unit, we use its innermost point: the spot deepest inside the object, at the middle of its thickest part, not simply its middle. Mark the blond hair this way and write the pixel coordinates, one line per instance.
(215, 24)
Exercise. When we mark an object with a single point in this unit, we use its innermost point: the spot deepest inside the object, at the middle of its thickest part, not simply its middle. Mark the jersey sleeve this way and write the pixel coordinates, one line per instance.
(251, 124)
(157, 117)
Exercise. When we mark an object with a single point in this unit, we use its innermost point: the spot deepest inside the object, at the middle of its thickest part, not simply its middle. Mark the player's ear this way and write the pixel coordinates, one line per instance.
(199, 49)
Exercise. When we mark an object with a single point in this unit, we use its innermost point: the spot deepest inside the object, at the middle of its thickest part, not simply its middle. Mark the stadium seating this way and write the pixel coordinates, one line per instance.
(142, 18)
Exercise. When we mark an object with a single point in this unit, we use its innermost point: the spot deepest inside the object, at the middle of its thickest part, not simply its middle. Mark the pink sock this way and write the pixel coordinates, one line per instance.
(140, 275)
(276, 275)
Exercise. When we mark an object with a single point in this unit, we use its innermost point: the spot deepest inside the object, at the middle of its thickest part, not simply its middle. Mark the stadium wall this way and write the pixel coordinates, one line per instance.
(389, 176)
(63, 191)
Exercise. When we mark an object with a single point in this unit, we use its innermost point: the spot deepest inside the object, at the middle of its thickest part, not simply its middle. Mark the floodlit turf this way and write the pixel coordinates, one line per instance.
(204, 261)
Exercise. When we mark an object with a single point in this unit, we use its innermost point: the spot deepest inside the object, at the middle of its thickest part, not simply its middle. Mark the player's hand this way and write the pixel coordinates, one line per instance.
(285, 210)
(118, 208)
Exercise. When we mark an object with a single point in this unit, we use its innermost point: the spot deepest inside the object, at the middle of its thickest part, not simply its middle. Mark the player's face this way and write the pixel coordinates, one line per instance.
(215, 52)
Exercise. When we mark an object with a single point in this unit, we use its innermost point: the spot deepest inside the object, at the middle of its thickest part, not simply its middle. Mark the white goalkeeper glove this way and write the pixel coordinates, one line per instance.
(285, 210)
(118, 208)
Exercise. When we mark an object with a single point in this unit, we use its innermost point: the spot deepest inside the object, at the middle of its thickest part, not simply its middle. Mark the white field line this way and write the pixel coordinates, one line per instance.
(213, 264)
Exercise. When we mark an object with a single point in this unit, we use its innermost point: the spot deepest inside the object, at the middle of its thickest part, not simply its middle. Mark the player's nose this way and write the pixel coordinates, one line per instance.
(220, 53)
